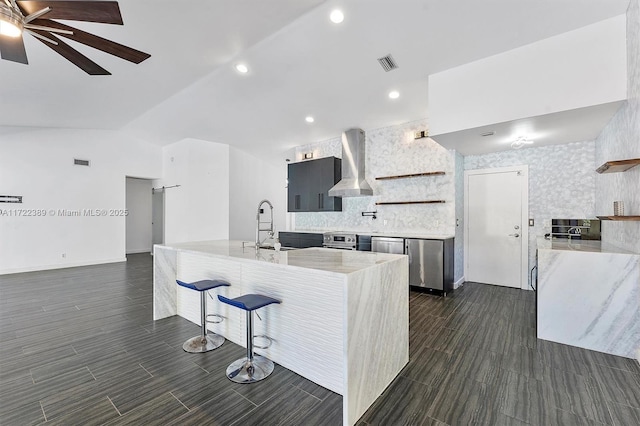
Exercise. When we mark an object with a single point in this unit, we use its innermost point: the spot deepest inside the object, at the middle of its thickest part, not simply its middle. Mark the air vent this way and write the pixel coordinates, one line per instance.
(77, 162)
(387, 63)
(485, 134)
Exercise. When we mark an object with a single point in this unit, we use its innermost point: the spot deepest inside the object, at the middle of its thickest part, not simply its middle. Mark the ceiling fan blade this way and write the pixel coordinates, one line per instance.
(41, 37)
(105, 12)
(45, 28)
(75, 57)
(96, 42)
(12, 49)
(36, 15)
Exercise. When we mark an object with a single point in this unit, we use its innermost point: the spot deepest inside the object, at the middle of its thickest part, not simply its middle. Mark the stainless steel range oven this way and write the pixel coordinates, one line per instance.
(346, 241)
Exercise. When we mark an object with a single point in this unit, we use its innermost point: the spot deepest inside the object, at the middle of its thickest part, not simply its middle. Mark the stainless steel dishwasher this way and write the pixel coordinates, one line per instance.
(430, 264)
(387, 245)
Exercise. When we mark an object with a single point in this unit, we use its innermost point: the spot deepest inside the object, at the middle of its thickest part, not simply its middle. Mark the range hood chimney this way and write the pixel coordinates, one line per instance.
(353, 183)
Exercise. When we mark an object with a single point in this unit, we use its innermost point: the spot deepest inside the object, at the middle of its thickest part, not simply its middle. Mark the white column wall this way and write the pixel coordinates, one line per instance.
(198, 210)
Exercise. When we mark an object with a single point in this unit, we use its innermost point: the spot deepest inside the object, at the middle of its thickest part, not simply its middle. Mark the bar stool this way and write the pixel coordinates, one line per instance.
(251, 368)
(204, 342)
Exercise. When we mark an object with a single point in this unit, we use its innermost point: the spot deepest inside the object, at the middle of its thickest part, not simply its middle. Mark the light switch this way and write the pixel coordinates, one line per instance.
(530, 222)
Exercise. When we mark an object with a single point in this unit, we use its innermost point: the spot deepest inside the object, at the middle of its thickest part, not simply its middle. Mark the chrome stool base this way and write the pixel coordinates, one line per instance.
(198, 344)
(245, 371)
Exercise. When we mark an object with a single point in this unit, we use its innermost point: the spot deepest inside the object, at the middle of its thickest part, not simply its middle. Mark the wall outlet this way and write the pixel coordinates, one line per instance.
(64, 255)
(385, 222)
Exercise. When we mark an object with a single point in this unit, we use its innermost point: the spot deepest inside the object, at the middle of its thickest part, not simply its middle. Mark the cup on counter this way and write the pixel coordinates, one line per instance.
(618, 208)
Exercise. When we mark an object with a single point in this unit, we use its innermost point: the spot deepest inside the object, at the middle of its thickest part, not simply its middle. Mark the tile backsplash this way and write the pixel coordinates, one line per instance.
(561, 182)
(392, 151)
(620, 140)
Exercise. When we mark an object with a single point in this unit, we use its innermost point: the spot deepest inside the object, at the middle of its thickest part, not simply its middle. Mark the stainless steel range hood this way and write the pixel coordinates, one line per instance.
(353, 183)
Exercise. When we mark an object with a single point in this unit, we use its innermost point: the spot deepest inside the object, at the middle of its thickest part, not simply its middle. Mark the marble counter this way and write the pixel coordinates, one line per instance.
(579, 245)
(344, 318)
(417, 235)
(589, 296)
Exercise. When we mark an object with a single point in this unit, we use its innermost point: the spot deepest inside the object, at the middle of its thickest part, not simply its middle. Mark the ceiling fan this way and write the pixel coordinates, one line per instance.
(36, 18)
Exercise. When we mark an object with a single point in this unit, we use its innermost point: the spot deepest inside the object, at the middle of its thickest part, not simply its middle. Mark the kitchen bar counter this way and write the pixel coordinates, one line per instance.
(589, 296)
(344, 318)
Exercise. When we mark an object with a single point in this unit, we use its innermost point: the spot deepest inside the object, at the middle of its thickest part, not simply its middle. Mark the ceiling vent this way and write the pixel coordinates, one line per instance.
(387, 63)
(77, 162)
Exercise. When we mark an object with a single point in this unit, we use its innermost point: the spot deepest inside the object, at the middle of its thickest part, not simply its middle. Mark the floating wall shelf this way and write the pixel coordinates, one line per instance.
(627, 218)
(410, 176)
(618, 166)
(385, 203)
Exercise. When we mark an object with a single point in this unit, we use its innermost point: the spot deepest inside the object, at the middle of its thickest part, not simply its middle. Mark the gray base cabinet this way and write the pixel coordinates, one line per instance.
(309, 184)
(430, 264)
(300, 239)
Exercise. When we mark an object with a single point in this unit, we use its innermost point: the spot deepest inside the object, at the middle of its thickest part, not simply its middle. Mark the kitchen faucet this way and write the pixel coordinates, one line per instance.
(269, 230)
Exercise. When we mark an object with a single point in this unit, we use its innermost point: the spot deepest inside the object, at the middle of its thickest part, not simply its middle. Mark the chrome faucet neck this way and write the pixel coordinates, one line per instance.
(269, 230)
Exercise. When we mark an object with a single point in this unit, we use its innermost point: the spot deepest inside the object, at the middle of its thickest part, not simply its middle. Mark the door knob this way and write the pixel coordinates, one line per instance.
(514, 235)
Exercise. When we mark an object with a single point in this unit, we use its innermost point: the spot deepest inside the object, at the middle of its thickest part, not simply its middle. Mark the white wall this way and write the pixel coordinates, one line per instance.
(618, 141)
(250, 181)
(576, 69)
(38, 164)
(138, 222)
(458, 266)
(199, 209)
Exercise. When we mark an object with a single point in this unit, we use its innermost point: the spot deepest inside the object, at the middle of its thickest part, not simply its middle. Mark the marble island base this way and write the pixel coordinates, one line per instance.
(589, 297)
(344, 318)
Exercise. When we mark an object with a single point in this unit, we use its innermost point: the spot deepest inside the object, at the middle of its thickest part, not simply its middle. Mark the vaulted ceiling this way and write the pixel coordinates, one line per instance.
(300, 64)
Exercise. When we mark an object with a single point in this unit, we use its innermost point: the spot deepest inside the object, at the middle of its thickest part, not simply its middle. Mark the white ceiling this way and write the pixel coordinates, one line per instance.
(581, 124)
(300, 64)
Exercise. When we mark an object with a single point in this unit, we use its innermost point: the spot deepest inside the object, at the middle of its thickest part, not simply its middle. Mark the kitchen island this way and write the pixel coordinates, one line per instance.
(344, 318)
(589, 296)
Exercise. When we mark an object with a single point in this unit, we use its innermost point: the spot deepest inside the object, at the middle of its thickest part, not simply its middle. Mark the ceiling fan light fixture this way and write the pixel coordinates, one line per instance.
(10, 22)
(520, 142)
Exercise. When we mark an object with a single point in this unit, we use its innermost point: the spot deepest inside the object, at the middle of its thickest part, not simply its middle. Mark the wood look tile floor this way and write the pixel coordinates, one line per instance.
(79, 346)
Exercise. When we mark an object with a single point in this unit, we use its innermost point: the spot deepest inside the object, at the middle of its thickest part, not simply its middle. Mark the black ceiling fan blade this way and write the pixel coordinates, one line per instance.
(104, 12)
(72, 55)
(113, 48)
(12, 49)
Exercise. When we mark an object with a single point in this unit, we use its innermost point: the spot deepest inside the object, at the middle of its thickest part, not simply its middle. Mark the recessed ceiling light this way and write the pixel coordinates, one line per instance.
(242, 68)
(309, 119)
(394, 94)
(336, 16)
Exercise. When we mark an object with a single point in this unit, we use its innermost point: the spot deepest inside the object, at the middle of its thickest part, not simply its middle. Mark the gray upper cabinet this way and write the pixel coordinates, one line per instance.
(309, 184)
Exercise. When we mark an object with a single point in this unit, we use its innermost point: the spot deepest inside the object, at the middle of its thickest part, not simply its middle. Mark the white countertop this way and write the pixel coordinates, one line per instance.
(382, 234)
(322, 259)
(590, 246)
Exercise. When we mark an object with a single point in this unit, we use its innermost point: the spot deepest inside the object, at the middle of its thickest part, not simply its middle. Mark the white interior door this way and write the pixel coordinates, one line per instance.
(157, 220)
(496, 237)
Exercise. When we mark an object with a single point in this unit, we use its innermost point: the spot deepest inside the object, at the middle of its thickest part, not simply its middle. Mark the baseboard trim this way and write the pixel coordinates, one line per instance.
(140, 251)
(458, 283)
(59, 266)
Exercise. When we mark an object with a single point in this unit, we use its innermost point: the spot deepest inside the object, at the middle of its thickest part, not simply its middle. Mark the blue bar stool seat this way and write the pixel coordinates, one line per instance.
(251, 368)
(205, 342)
